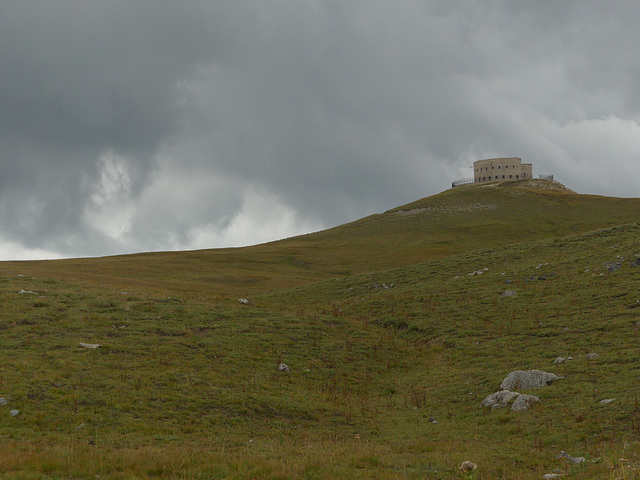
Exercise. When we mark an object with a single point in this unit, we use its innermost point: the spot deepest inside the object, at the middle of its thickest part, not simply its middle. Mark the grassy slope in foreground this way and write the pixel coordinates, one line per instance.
(454, 221)
(189, 388)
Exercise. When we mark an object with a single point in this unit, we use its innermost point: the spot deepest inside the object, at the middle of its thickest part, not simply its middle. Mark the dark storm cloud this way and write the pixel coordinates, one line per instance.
(133, 126)
(95, 73)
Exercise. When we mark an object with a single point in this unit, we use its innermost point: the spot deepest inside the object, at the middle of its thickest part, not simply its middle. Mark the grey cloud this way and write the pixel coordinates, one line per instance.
(94, 73)
(80, 79)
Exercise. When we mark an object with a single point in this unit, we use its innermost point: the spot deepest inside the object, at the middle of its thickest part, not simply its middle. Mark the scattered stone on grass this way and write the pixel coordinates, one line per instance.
(27, 291)
(478, 272)
(541, 277)
(499, 399)
(592, 356)
(560, 360)
(243, 301)
(3, 401)
(612, 267)
(467, 466)
(89, 345)
(520, 379)
(283, 367)
(519, 402)
(508, 293)
(523, 402)
(569, 459)
(606, 401)
(551, 476)
(14, 413)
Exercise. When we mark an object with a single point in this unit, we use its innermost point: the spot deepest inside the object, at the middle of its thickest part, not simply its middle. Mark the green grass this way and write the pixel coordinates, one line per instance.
(186, 382)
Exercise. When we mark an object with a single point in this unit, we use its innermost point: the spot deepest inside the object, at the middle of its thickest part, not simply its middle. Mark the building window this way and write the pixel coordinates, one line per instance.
(517, 176)
(502, 176)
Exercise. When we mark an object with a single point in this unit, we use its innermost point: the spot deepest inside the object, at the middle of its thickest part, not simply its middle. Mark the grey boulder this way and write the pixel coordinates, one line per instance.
(519, 402)
(521, 380)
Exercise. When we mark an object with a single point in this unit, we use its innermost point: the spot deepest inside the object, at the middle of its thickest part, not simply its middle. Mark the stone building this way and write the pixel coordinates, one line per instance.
(501, 169)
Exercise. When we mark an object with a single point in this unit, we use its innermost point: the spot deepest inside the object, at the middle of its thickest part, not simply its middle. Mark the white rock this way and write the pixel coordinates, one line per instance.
(89, 345)
(570, 459)
(520, 379)
(283, 367)
(499, 399)
(519, 402)
(607, 401)
(523, 402)
(467, 466)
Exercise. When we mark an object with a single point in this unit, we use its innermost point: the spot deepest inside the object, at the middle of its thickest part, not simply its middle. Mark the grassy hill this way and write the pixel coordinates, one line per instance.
(393, 340)
(458, 220)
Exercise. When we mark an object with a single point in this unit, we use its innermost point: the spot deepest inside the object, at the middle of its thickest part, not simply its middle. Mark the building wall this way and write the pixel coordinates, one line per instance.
(501, 169)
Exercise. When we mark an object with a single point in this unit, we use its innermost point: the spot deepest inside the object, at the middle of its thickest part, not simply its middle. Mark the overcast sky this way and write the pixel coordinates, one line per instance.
(130, 126)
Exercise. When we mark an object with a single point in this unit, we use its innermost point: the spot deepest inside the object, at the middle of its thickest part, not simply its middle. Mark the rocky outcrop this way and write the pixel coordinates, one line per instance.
(519, 402)
(499, 399)
(521, 380)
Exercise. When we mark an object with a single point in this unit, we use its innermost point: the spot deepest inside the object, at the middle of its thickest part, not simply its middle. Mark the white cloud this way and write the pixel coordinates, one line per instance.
(15, 251)
(262, 219)
(600, 154)
(110, 208)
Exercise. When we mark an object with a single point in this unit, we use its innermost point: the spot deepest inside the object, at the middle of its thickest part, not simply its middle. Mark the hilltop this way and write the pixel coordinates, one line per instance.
(458, 220)
(393, 328)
